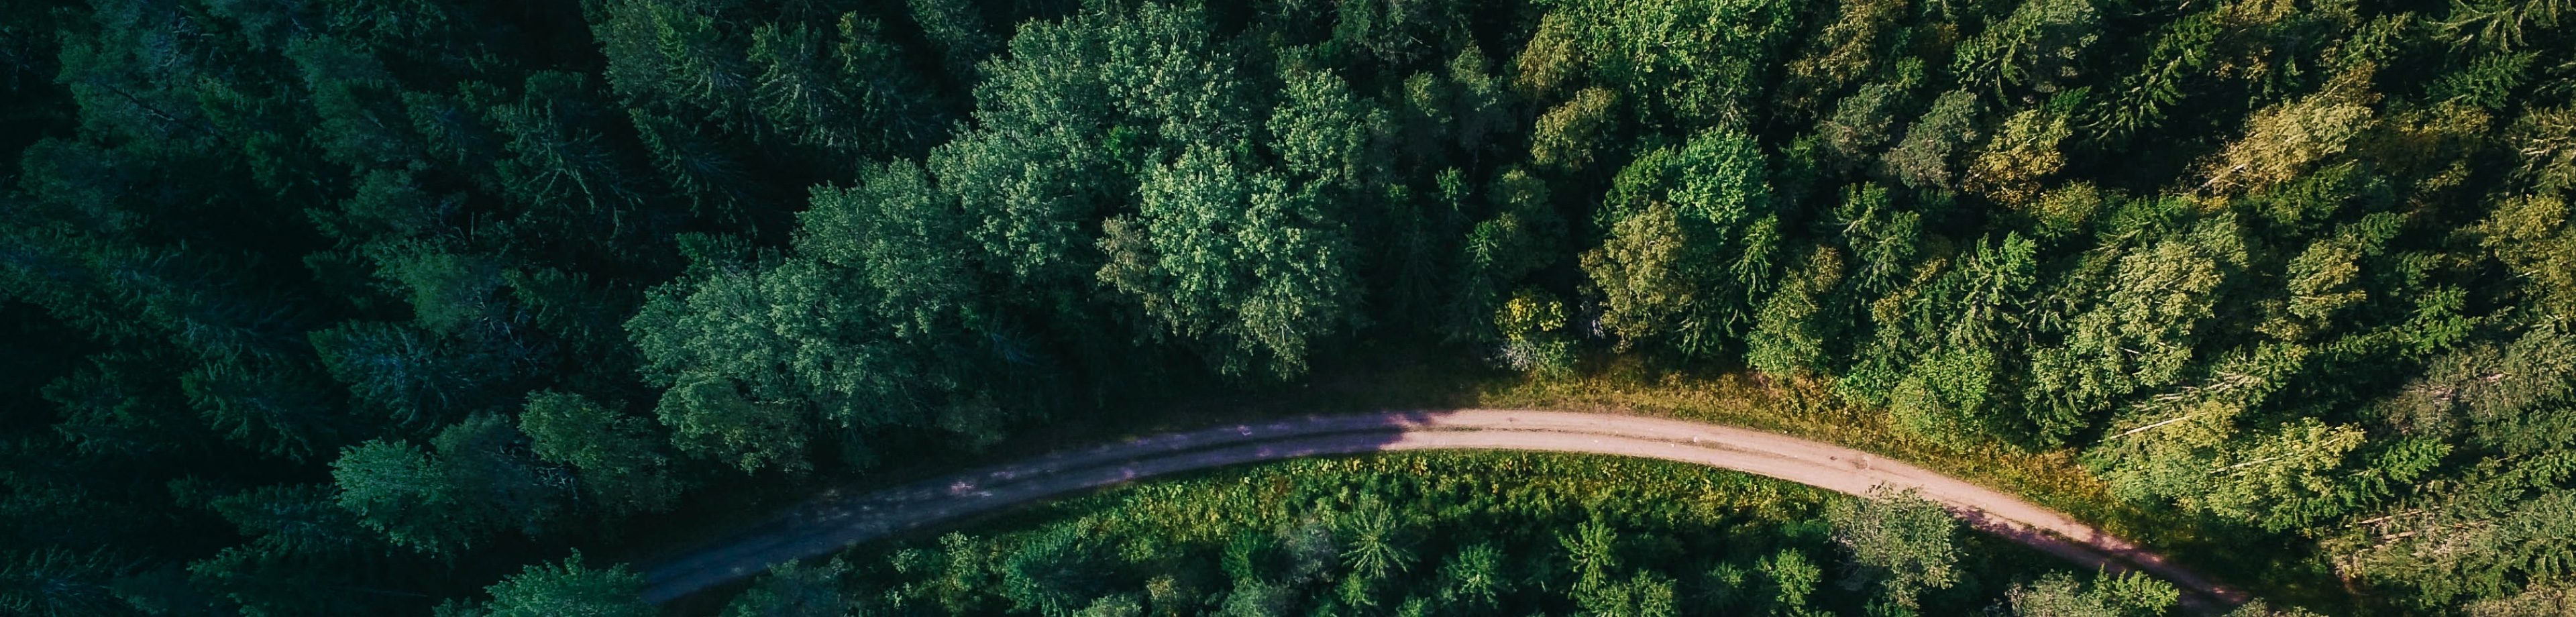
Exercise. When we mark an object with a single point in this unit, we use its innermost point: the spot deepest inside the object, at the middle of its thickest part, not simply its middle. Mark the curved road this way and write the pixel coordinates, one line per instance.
(833, 521)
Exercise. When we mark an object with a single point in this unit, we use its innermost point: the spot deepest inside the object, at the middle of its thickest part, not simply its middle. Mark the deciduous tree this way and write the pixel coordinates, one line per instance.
(1899, 542)
(618, 457)
(1691, 242)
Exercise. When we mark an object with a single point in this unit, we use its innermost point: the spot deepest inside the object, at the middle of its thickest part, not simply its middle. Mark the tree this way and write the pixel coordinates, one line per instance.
(61, 582)
(2512, 405)
(908, 241)
(2497, 25)
(1068, 126)
(261, 579)
(957, 29)
(388, 207)
(1899, 541)
(449, 292)
(2489, 535)
(2167, 445)
(586, 315)
(910, 247)
(1228, 256)
(2182, 49)
(1481, 101)
(618, 456)
(1550, 60)
(2282, 141)
(2288, 479)
(1691, 241)
(274, 409)
(357, 101)
(305, 556)
(1791, 330)
(2533, 235)
(696, 165)
(408, 374)
(1885, 241)
(709, 416)
(2061, 595)
(398, 490)
(1524, 233)
(297, 519)
(1570, 135)
(1030, 175)
(1324, 135)
(2143, 328)
(2486, 82)
(561, 162)
(891, 96)
(792, 589)
(844, 89)
(1113, 605)
(107, 408)
(2534, 601)
(1943, 352)
(859, 334)
(1424, 118)
(751, 352)
(497, 477)
(1645, 594)
(1253, 597)
(1684, 65)
(673, 51)
(453, 129)
(1791, 577)
(1925, 157)
(570, 589)
(478, 481)
(1475, 575)
(1650, 273)
(2259, 608)
(1844, 52)
(2023, 151)
(2546, 139)
(2320, 284)
(1593, 550)
(1376, 544)
(957, 577)
(2038, 45)
(1396, 33)
(1534, 337)
(1054, 574)
(1860, 123)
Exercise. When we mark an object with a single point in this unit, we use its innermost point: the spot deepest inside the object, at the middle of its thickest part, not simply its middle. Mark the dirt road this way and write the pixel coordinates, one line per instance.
(833, 521)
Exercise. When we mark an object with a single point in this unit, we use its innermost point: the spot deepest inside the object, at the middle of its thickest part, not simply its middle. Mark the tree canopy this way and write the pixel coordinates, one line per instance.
(343, 306)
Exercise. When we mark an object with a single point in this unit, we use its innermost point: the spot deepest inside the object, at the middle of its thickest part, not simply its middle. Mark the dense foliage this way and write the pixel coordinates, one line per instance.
(344, 306)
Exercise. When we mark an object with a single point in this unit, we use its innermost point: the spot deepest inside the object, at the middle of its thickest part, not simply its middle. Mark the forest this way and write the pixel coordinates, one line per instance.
(409, 307)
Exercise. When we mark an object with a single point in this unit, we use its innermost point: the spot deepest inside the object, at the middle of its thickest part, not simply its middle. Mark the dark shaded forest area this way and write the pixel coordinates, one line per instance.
(352, 306)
